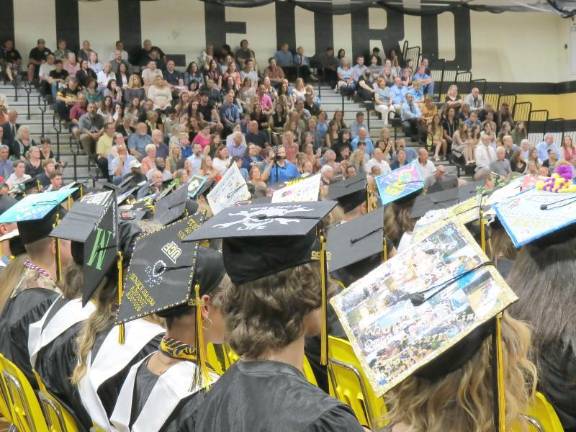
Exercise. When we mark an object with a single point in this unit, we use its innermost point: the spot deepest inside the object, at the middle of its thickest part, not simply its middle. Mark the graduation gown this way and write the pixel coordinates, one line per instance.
(263, 396)
(52, 348)
(149, 402)
(109, 363)
(21, 310)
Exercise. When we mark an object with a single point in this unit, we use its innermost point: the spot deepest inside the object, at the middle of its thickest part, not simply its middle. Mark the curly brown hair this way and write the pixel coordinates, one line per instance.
(268, 314)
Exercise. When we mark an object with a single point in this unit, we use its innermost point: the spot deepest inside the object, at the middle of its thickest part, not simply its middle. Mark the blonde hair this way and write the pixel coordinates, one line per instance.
(463, 400)
(11, 275)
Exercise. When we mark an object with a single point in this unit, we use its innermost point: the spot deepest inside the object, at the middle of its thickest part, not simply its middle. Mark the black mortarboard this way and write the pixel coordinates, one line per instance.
(263, 239)
(164, 270)
(92, 226)
(172, 206)
(443, 199)
(355, 241)
(350, 193)
(36, 214)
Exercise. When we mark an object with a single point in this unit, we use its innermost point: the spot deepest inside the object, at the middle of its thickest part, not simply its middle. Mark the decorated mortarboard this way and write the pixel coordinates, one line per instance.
(197, 185)
(349, 193)
(36, 214)
(129, 192)
(92, 226)
(426, 311)
(163, 271)
(443, 199)
(260, 240)
(172, 206)
(401, 183)
(299, 190)
(167, 187)
(535, 214)
(358, 240)
(230, 190)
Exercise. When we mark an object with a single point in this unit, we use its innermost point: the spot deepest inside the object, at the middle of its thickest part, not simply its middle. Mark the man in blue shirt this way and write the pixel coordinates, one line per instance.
(544, 146)
(138, 141)
(284, 58)
(358, 124)
(411, 115)
(229, 113)
(363, 138)
(425, 80)
(6, 166)
(397, 93)
(279, 170)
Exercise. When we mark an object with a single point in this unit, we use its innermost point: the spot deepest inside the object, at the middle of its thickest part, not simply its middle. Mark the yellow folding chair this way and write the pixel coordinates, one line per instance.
(308, 372)
(58, 417)
(351, 386)
(26, 412)
(541, 417)
(4, 398)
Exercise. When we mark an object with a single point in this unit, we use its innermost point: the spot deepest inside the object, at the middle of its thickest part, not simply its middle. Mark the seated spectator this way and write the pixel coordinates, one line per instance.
(77, 111)
(383, 100)
(398, 93)
(17, 177)
(310, 104)
(358, 124)
(155, 184)
(23, 142)
(56, 78)
(44, 73)
(172, 76)
(6, 165)
(161, 167)
(250, 72)
(138, 141)
(375, 67)
(118, 59)
(346, 83)
(71, 64)
(134, 90)
(94, 64)
(160, 94)
(149, 162)
(519, 133)
(105, 76)
(363, 138)
(547, 144)
(174, 161)
(449, 125)
(84, 53)
(424, 165)
(285, 59)
(568, 150)
(411, 115)
(474, 100)
(378, 160)
(425, 80)
(222, 160)
(509, 145)
(49, 168)
(429, 111)
(473, 120)
(122, 164)
(453, 99)
(92, 92)
(302, 64)
(416, 91)
(411, 154)
(104, 147)
(278, 169)
(151, 73)
(274, 72)
(365, 86)
(66, 98)
(518, 163)
(193, 74)
(327, 66)
(244, 53)
(36, 57)
(551, 162)
(34, 162)
(229, 113)
(484, 155)
(84, 74)
(158, 141)
(461, 151)
(435, 139)
(440, 181)
(501, 165)
(253, 157)
(11, 60)
(91, 127)
(194, 161)
(256, 136)
(359, 69)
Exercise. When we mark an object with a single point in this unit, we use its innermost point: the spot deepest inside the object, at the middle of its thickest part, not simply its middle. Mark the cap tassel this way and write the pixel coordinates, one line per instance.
(498, 377)
(324, 304)
(121, 326)
(385, 250)
(200, 345)
(58, 254)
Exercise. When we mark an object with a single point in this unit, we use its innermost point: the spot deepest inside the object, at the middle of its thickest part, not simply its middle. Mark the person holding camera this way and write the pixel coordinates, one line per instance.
(278, 169)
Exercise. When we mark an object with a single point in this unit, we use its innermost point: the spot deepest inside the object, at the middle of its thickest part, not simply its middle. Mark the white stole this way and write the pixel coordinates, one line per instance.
(111, 358)
(40, 336)
(172, 386)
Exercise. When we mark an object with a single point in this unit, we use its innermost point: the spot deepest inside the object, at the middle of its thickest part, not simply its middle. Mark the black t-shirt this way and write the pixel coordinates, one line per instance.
(12, 56)
(61, 75)
(172, 77)
(39, 54)
(260, 138)
(205, 110)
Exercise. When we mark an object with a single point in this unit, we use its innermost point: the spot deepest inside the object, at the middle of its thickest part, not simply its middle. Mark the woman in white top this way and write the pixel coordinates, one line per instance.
(105, 75)
(221, 160)
(299, 90)
(18, 176)
(160, 93)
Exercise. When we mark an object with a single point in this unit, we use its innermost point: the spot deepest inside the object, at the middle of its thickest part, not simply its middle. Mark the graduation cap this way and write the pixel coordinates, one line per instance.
(263, 239)
(197, 186)
(349, 193)
(167, 275)
(401, 185)
(36, 214)
(427, 311)
(172, 206)
(443, 199)
(92, 226)
(358, 246)
(537, 215)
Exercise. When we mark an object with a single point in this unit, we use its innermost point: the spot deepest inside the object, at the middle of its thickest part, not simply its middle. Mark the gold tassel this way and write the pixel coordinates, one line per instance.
(324, 304)
(500, 375)
(121, 326)
(58, 254)
(483, 233)
(201, 354)
(385, 248)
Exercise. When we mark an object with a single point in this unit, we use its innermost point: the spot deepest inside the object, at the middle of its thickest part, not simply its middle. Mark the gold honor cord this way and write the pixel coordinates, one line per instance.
(501, 391)
(324, 303)
(121, 326)
(177, 350)
(204, 375)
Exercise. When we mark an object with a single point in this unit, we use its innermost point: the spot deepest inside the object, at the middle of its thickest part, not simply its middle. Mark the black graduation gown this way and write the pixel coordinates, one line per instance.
(264, 396)
(27, 307)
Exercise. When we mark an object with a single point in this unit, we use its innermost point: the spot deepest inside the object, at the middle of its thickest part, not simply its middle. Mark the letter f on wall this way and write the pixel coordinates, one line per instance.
(99, 248)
